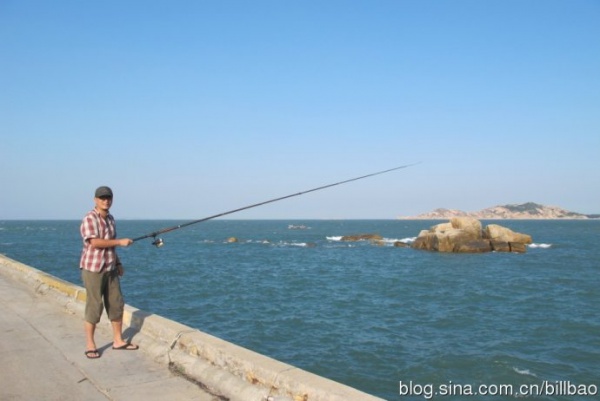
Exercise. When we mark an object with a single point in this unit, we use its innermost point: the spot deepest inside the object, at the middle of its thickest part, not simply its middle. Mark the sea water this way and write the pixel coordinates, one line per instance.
(394, 322)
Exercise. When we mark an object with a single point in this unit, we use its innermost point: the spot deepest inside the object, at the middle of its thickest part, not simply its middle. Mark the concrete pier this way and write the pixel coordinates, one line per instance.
(42, 352)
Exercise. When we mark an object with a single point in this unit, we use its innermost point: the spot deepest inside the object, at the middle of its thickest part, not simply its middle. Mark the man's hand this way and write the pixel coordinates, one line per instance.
(125, 242)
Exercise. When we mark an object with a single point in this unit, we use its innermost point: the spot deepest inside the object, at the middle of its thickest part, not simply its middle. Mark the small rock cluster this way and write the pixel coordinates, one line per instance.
(466, 235)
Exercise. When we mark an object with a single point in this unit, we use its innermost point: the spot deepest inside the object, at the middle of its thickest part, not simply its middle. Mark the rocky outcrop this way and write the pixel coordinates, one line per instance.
(529, 210)
(362, 237)
(497, 232)
(466, 235)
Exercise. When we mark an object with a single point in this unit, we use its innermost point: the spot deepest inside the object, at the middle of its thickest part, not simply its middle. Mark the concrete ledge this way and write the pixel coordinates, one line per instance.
(225, 369)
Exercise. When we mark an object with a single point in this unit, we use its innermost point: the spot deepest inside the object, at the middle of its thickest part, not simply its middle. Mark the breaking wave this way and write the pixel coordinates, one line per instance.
(543, 246)
(387, 241)
(525, 372)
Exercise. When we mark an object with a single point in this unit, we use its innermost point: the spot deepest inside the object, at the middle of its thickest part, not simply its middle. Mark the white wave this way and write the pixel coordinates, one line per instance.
(298, 244)
(392, 241)
(525, 372)
(258, 241)
(266, 242)
(543, 246)
(407, 240)
(388, 241)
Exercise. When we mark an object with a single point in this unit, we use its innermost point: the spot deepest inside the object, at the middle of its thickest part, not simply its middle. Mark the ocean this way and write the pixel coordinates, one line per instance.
(397, 323)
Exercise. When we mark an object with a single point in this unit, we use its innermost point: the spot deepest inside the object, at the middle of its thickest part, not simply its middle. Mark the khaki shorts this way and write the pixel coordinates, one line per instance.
(103, 290)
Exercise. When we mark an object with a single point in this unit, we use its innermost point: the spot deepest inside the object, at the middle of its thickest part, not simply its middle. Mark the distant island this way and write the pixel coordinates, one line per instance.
(524, 211)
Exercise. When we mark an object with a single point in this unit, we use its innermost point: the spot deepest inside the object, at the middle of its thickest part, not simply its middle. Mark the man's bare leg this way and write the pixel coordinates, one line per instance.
(118, 342)
(90, 329)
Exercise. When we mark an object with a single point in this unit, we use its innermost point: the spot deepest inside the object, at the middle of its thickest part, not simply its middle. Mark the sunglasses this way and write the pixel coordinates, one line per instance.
(105, 197)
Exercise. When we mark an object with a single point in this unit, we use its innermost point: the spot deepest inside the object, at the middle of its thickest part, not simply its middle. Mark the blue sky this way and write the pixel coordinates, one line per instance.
(191, 108)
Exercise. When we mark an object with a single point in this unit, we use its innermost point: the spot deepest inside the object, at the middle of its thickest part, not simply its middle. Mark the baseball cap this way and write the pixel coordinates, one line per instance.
(103, 191)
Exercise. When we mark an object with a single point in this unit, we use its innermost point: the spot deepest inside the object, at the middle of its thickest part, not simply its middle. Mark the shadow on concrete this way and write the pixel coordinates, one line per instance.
(137, 322)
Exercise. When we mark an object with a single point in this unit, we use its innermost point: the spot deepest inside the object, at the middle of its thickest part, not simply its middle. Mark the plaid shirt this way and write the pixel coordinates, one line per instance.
(96, 226)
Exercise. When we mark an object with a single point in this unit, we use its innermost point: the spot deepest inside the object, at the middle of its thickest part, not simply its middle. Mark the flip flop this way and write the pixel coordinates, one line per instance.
(92, 354)
(126, 347)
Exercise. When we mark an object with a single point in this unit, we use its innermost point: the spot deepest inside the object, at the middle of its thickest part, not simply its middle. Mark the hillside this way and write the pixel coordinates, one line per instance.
(529, 210)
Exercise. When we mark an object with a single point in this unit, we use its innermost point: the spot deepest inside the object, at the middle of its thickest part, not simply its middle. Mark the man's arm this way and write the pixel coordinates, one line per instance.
(109, 243)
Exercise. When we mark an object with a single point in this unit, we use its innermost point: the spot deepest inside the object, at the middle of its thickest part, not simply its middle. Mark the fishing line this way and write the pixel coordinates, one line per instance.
(158, 242)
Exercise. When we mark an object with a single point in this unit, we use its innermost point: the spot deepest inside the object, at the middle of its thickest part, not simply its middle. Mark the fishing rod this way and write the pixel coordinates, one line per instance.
(158, 242)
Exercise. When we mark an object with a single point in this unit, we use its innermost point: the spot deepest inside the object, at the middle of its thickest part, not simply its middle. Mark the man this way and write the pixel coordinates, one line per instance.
(100, 271)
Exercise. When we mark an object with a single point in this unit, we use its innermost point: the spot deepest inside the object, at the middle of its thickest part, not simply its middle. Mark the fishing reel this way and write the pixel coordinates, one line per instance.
(158, 242)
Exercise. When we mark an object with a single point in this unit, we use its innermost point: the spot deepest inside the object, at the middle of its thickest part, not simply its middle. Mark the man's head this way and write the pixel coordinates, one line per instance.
(103, 198)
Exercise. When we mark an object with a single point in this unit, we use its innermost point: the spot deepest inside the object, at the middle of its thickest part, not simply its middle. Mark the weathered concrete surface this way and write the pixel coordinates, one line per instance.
(42, 345)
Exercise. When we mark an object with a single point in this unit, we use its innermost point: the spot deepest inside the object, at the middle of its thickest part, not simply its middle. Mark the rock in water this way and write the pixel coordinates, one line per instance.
(362, 237)
(465, 235)
(499, 233)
